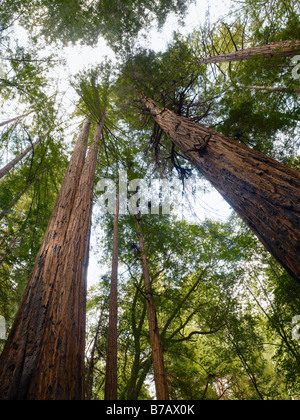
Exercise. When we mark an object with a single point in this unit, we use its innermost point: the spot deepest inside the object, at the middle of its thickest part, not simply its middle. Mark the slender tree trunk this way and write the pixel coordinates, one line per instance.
(264, 192)
(280, 49)
(132, 392)
(20, 117)
(29, 368)
(244, 362)
(90, 370)
(160, 379)
(17, 159)
(146, 366)
(15, 200)
(111, 377)
(4, 252)
(272, 89)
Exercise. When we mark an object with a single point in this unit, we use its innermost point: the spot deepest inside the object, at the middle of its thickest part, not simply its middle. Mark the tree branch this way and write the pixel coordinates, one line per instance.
(199, 333)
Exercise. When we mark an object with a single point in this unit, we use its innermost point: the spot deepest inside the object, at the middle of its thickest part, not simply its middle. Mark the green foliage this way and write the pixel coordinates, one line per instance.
(173, 79)
(224, 306)
(214, 315)
(273, 20)
(27, 197)
(84, 21)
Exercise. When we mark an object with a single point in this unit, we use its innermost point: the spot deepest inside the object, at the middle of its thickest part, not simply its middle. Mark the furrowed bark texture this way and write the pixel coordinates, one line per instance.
(41, 317)
(111, 377)
(264, 192)
(161, 386)
(280, 49)
(60, 368)
(4, 171)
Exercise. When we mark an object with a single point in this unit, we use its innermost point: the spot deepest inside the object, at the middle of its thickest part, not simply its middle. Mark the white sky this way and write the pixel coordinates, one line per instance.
(79, 57)
(209, 205)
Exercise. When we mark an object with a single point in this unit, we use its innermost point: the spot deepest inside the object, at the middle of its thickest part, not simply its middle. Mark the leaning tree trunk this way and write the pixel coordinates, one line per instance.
(11, 205)
(5, 252)
(4, 171)
(19, 362)
(160, 379)
(264, 192)
(111, 377)
(280, 49)
(272, 89)
(20, 117)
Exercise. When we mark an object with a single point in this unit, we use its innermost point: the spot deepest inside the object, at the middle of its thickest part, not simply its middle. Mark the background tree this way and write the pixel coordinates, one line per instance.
(111, 376)
(118, 23)
(213, 327)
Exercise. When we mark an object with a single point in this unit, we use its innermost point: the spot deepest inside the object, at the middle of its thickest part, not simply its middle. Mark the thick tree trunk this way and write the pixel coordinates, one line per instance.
(264, 192)
(160, 379)
(280, 49)
(60, 368)
(20, 117)
(17, 159)
(111, 377)
(27, 368)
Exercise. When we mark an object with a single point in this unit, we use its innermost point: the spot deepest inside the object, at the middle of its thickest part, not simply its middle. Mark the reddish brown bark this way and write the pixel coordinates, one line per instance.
(161, 386)
(264, 192)
(111, 377)
(280, 49)
(29, 367)
(60, 368)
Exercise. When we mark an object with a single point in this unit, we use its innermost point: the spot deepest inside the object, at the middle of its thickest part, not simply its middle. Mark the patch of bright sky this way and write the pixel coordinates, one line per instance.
(79, 57)
(204, 205)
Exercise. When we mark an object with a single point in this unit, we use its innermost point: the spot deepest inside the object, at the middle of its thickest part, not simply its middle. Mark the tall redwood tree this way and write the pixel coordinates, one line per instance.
(160, 378)
(43, 358)
(264, 192)
(279, 49)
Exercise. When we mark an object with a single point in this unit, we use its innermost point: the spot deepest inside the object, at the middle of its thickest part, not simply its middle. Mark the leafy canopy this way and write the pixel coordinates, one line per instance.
(81, 20)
